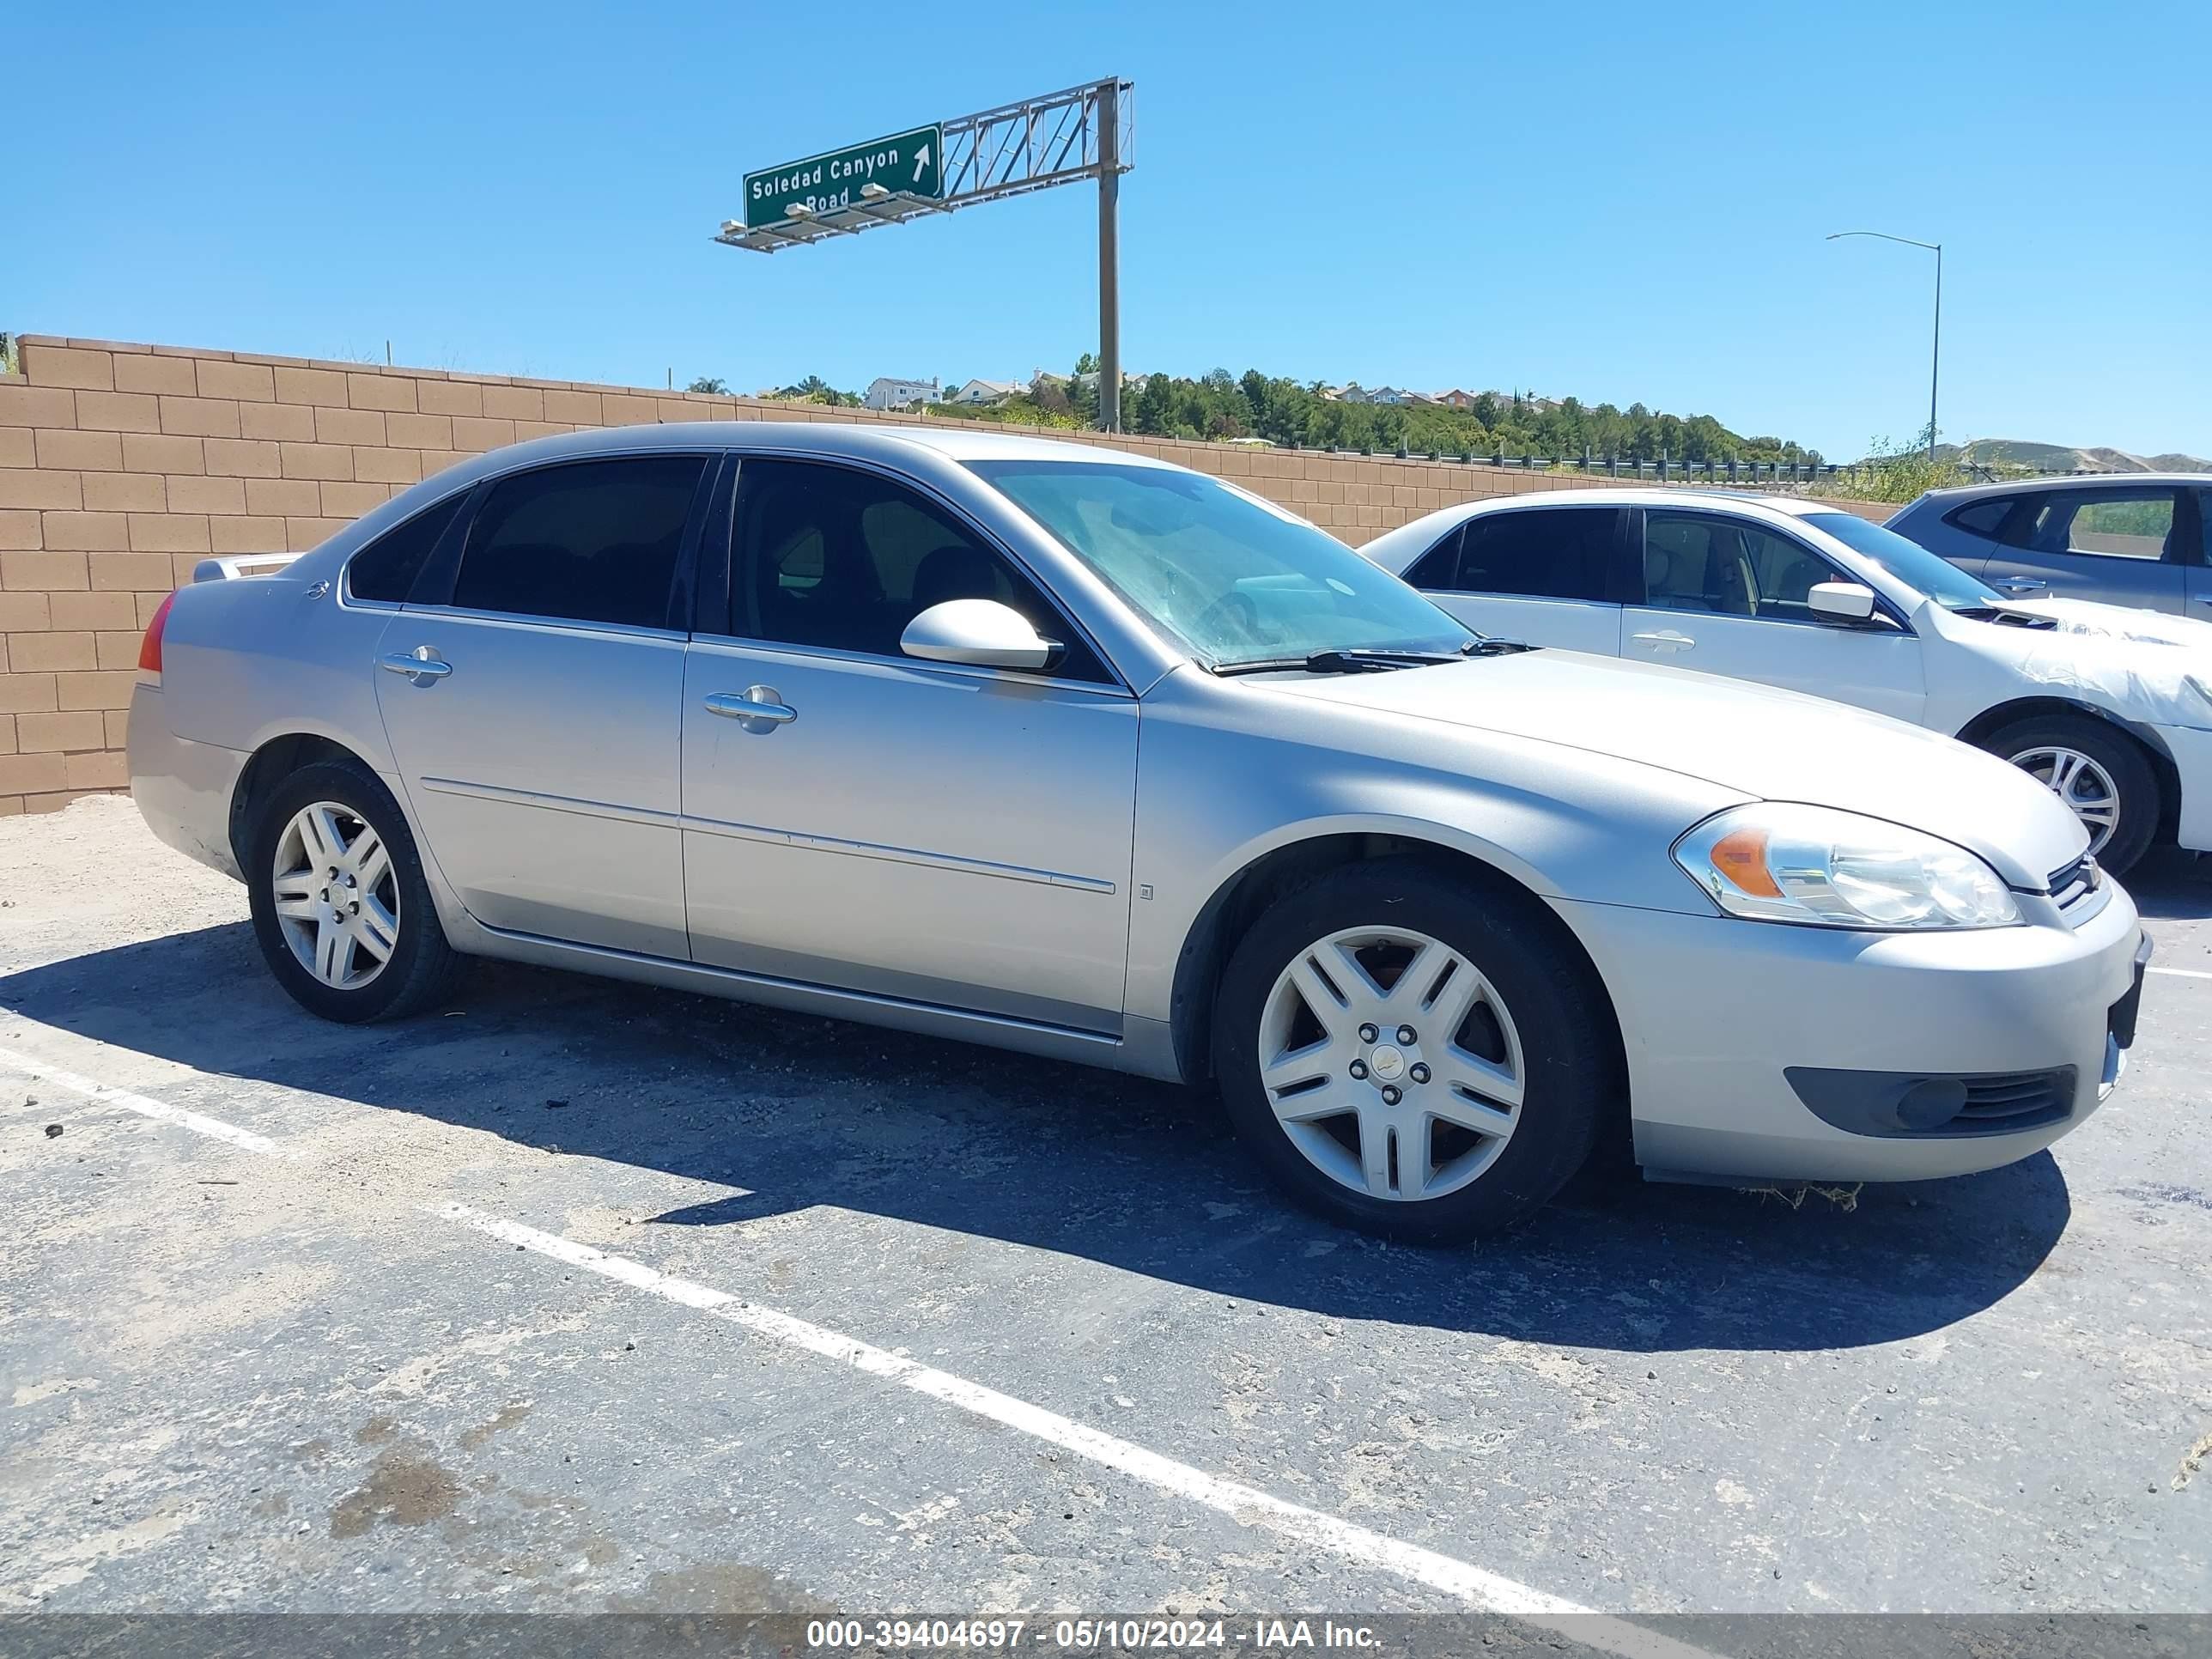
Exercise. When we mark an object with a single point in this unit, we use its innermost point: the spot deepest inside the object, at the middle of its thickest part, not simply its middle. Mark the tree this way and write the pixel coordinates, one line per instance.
(1285, 411)
(706, 382)
(1082, 394)
(1154, 406)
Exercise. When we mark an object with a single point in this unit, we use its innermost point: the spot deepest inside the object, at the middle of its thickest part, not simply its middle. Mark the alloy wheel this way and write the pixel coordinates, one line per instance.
(2076, 779)
(1391, 1063)
(337, 895)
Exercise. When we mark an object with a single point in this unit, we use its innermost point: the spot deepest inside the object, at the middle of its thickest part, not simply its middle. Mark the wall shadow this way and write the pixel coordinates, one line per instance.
(1143, 1177)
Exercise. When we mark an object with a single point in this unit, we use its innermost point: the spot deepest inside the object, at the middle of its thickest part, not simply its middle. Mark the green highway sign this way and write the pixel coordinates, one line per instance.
(909, 163)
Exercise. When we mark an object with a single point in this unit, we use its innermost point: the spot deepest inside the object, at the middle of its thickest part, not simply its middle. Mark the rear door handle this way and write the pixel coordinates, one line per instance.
(2018, 585)
(1665, 640)
(759, 708)
(421, 665)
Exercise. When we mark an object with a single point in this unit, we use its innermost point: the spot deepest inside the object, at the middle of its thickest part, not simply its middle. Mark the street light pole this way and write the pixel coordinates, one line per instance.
(1936, 357)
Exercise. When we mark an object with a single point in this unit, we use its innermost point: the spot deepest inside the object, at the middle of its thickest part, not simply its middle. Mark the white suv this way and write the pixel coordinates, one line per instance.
(2111, 707)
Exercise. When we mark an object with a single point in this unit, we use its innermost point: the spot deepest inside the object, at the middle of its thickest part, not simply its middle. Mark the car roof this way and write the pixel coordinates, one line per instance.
(2074, 481)
(1645, 496)
(857, 439)
(1396, 549)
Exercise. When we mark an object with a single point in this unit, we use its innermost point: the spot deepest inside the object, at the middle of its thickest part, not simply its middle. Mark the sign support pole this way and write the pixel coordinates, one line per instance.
(1109, 257)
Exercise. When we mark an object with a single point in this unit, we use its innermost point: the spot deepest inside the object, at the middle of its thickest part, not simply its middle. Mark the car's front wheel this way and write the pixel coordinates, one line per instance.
(2100, 772)
(1412, 1055)
(341, 910)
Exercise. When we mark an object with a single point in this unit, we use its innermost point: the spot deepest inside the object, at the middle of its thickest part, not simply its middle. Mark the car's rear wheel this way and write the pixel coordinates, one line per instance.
(1411, 1055)
(2098, 771)
(341, 910)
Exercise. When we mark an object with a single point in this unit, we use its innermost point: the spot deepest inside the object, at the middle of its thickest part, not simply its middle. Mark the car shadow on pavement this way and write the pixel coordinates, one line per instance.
(801, 1112)
(2171, 885)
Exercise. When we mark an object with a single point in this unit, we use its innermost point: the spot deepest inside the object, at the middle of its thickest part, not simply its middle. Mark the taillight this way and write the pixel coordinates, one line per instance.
(149, 649)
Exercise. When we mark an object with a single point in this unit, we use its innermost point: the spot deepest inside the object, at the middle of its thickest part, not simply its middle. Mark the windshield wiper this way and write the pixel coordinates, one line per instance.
(1369, 659)
(1352, 661)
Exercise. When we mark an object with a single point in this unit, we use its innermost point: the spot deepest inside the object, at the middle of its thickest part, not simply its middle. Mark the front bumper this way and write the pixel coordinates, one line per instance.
(1716, 1011)
(2192, 761)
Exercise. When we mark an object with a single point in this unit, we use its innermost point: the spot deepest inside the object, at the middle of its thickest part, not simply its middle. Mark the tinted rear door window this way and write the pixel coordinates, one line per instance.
(1559, 553)
(593, 541)
(2127, 524)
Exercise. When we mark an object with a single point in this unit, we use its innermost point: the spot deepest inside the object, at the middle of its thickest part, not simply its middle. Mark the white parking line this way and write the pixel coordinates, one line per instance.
(1323, 1534)
(2180, 973)
(216, 1128)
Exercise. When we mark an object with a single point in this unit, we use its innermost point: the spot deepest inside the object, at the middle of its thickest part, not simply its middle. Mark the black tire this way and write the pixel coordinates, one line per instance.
(2123, 760)
(422, 964)
(1571, 1044)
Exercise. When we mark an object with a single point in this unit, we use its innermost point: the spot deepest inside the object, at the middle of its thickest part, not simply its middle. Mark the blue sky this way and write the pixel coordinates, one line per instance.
(1621, 203)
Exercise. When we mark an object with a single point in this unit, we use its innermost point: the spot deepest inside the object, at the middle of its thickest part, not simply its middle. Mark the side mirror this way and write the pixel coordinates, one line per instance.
(1842, 602)
(981, 633)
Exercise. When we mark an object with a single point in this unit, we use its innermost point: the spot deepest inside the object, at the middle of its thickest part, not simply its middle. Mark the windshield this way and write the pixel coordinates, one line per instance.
(1908, 561)
(1224, 575)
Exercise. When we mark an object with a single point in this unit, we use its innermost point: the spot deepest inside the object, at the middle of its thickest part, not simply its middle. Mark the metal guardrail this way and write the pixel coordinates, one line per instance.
(1735, 475)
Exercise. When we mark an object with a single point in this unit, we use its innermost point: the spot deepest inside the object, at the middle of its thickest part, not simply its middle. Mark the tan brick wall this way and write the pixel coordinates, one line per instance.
(121, 466)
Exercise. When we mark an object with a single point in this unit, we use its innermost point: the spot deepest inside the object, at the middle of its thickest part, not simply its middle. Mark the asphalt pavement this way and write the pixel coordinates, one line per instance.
(580, 1297)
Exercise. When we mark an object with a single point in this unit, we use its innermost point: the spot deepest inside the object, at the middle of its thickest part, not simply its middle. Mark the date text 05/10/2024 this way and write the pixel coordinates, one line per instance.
(1121, 1634)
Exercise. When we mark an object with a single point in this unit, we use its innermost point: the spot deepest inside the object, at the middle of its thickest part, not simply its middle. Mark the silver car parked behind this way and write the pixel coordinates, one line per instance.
(2133, 539)
(1090, 756)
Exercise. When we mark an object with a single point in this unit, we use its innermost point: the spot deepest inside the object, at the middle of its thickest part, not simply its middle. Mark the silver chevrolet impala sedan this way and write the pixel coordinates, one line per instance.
(1090, 756)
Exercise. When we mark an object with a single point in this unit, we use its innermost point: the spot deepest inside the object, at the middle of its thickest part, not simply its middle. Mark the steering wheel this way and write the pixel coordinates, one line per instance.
(1235, 607)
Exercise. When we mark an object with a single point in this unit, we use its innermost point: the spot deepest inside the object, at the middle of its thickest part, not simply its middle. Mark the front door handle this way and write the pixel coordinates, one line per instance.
(422, 664)
(759, 708)
(1665, 640)
(2018, 585)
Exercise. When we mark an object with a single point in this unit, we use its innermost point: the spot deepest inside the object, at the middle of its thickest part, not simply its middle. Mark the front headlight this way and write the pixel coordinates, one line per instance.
(1776, 862)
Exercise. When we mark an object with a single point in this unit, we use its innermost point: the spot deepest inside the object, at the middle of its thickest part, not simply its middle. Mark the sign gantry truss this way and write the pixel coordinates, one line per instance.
(1062, 138)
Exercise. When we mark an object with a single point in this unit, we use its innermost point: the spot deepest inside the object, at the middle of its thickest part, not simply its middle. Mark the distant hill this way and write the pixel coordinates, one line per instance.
(2063, 458)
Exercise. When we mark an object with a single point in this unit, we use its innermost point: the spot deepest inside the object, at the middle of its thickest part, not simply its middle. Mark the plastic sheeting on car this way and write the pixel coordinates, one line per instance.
(2142, 665)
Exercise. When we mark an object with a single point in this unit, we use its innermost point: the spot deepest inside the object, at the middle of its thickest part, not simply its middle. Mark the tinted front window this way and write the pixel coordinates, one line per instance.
(838, 558)
(1729, 567)
(385, 569)
(596, 541)
(1554, 553)
(1220, 572)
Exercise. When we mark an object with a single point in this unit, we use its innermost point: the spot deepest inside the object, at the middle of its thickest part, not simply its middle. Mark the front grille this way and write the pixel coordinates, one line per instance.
(2079, 889)
(2016, 1100)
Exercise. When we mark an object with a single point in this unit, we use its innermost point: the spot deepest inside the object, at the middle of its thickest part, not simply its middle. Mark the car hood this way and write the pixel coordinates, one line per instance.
(1757, 741)
(2140, 664)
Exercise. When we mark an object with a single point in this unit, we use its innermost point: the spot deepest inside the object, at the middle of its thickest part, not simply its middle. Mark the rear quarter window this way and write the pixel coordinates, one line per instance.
(1983, 518)
(1438, 568)
(385, 571)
